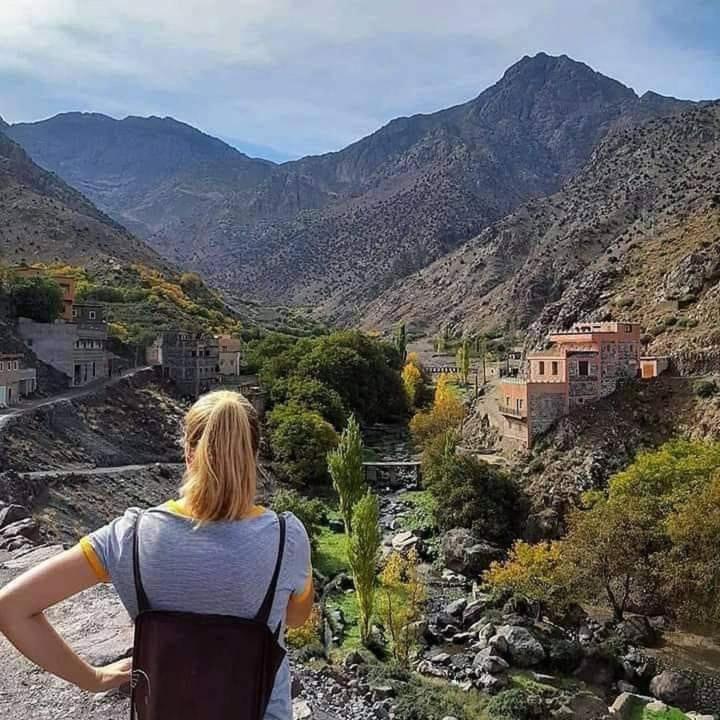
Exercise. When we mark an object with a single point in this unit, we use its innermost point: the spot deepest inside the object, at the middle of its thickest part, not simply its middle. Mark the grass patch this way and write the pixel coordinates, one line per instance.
(422, 518)
(640, 712)
(347, 602)
(330, 556)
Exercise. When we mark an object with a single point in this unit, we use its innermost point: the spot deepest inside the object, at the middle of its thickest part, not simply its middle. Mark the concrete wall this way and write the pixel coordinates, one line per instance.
(547, 402)
(10, 374)
(583, 389)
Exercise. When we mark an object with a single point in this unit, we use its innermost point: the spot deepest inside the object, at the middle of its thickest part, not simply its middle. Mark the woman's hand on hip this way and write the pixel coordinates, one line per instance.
(112, 676)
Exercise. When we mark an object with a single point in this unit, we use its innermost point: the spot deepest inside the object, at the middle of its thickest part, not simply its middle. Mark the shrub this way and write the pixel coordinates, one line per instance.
(311, 512)
(705, 388)
(447, 413)
(313, 395)
(346, 470)
(37, 298)
(510, 705)
(300, 440)
(309, 633)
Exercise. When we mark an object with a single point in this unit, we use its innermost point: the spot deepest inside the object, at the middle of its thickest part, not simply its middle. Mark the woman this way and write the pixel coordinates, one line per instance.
(210, 552)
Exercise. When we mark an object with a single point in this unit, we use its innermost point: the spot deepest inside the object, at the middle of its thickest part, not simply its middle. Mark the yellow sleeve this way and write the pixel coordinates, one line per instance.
(93, 560)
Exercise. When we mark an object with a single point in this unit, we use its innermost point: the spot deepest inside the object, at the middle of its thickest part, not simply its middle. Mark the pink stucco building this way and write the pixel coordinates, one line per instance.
(583, 364)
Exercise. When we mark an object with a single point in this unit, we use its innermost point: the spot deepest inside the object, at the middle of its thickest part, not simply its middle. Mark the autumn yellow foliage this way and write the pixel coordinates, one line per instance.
(447, 413)
(308, 633)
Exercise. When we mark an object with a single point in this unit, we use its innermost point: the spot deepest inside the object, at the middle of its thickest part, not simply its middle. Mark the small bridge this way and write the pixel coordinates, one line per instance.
(393, 472)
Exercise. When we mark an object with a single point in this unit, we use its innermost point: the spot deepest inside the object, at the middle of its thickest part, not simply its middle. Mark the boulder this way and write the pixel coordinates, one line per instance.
(301, 710)
(455, 608)
(441, 658)
(637, 630)
(523, 649)
(491, 683)
(26, 528)
(382, 692)
(626, 704)
(673, 688)
(475, 610)
(657, 706)
(586, 706)
(563, 653)
(404, 541)
(337, 526)
(486, 662)
(11, 514)
(463, 553)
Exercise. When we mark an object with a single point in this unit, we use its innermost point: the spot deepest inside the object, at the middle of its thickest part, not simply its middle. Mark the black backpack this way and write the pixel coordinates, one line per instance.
(188, 666)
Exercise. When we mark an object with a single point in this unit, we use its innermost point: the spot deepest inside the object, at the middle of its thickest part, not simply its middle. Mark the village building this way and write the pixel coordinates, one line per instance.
(191, 361)
(16, 380)
(582, 365)
(653, 366)
(77, 347)
(231, 358)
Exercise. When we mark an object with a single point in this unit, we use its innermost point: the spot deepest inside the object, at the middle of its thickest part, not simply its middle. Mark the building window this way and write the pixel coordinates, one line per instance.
(541, 368)
(92, 314)
(93, 369)
(74, 312)
(583, 367)
(2, 366)
(554, 367)
(628, 328)
(16, 366)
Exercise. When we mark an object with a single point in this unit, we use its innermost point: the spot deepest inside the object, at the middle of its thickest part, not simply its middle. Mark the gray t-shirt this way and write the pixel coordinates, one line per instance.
(217, 568)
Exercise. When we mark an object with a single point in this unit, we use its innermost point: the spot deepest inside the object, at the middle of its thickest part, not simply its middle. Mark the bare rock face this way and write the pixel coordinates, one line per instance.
(687, 279)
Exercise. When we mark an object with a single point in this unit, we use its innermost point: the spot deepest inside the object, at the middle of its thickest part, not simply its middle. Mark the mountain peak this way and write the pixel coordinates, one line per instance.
(3, 124)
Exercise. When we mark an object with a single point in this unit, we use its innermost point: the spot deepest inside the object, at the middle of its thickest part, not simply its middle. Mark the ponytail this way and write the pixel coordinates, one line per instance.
(222, 436)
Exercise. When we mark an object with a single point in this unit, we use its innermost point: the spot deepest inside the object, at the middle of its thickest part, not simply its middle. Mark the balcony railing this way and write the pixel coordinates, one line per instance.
(520, 414)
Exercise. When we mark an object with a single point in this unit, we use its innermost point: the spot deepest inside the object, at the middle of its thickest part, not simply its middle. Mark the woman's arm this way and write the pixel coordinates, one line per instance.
(300, 606)
(22, 604)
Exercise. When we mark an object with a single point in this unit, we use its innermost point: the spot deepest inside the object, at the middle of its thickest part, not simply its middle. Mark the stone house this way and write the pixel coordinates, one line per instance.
(78, 347)
(191, 361)
(230, 356)
(582, 365)
(16, 380)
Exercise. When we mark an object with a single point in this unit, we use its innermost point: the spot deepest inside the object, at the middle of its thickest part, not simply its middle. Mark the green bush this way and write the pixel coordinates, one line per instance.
(300, 441)
(705, 388)
(312, 513)
(509, 705)
(37, 298)
(313, 395)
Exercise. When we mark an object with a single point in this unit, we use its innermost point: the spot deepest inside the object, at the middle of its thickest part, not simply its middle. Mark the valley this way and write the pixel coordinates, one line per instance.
(483, 345)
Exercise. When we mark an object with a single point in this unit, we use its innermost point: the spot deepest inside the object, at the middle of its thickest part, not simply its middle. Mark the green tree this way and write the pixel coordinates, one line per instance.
(346, 470)
(609, 549)
(691, 569)
(300, 440)
(401, 341)
(363, 556)
(313, 395)
(471, 493)
(38, 298)
(463, 361)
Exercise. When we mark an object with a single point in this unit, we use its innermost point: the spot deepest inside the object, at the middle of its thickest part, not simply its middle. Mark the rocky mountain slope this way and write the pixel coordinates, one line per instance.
(335, 230)
(635, 234)
(42, 219)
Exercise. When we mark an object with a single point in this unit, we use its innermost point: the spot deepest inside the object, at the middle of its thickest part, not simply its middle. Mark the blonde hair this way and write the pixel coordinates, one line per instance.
(222, 436)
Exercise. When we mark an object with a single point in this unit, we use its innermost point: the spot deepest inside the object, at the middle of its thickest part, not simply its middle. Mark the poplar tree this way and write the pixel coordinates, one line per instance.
(346, 470)
(363, 555)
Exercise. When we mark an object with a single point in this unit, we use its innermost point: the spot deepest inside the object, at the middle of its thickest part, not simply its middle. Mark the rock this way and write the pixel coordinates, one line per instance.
(382, 692)
(425, 667)
(449, 717)
(563, 653)
(586, 706)
(698, 716)
(354, 658)
(657, 706)
(598, 669)
(461, 638)
(637, 630)
(625, 687)
(337, 526)
(301, 710)
(499, 645)
(404, 541)
(673, 688)
(296, 687)
(455, 608)
(486, 662)
(625, 705)
(461, 661)
(11, 514)
(441, 658)
(524, 650)
(475, 610)
(491, 683)
(27, 528)
(463, 553)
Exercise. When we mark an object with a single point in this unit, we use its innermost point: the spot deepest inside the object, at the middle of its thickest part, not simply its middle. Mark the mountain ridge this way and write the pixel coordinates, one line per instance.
(333, 231)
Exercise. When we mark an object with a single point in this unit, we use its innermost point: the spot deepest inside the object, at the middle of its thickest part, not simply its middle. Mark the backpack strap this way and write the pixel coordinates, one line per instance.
(143, 603)
(266, 607)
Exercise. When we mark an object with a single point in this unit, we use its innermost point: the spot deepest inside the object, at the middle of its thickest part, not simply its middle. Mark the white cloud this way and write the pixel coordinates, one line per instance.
(313, 75)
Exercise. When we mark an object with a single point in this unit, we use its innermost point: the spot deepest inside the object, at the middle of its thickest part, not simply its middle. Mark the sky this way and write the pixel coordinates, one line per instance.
(295, 77)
